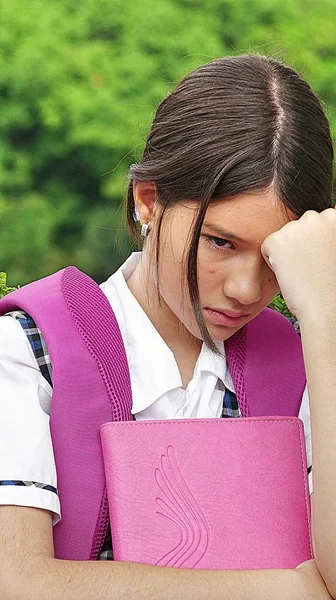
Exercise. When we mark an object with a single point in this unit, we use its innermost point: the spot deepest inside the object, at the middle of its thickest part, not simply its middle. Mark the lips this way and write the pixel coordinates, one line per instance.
(227, 318)
(229, 313)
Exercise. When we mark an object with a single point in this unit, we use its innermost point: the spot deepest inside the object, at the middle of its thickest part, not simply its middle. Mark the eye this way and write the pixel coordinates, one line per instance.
(219, 243)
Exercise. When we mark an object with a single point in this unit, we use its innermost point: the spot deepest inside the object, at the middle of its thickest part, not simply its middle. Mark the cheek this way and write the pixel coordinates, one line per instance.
(270, 286)
(210, 278)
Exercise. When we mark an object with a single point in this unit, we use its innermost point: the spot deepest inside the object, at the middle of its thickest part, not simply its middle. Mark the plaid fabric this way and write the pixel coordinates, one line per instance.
(36, 342)
(230, 406)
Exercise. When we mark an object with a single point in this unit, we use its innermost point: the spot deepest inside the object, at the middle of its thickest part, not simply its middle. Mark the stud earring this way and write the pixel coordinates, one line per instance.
(144, 230)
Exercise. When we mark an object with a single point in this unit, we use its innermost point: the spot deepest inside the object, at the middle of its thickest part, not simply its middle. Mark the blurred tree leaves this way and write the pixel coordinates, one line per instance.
(280, 305)
(4, 289)
(79, 82)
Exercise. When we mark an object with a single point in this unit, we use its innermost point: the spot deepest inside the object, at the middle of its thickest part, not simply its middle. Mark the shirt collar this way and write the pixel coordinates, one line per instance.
(149, 357)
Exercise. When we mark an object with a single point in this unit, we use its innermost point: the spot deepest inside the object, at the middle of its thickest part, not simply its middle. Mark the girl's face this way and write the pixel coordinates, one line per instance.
(235, 283)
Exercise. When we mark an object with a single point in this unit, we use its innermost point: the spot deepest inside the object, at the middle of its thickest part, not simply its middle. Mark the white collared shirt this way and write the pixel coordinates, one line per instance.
(161, 396)
(25, 443)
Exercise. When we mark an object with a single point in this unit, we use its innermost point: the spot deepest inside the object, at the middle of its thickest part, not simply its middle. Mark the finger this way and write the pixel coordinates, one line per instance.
(266, 254)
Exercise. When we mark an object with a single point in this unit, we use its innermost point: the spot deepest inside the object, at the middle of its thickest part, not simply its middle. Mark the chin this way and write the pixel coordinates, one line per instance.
(222, 333)
(224, 336)
(218, 335)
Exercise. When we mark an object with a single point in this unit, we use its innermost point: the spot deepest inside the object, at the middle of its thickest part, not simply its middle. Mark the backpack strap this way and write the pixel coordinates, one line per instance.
(91, 386)
(267, 368)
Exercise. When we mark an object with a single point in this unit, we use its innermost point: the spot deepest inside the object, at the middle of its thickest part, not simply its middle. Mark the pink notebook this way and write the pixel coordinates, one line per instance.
(208, 493)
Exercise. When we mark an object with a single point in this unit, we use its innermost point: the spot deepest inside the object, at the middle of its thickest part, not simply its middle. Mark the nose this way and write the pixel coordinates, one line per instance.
(244, 283)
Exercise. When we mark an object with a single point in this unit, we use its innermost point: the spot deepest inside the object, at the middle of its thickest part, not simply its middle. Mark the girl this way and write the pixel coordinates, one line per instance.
(233, 194)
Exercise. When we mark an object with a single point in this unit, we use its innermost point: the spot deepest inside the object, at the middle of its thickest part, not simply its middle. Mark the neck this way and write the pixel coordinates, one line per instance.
(142, 284)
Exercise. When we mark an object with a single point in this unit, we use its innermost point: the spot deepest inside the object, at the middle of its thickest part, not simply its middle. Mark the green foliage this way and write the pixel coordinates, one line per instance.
(280, 305)
(4, 289)
(79, 82)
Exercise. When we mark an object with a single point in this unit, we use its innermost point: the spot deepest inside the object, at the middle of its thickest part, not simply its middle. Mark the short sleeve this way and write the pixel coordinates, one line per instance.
(27, 465)
(304, 415)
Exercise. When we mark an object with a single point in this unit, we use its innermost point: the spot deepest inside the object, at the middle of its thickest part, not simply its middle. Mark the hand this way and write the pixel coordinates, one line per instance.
(313, 584)
(302, 255)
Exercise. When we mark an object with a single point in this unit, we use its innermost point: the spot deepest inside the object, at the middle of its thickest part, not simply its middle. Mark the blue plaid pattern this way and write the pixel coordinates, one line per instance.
(230, 406)
(36, 342)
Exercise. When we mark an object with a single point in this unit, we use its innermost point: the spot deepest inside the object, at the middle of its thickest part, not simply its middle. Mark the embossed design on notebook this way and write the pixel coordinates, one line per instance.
(176, 503)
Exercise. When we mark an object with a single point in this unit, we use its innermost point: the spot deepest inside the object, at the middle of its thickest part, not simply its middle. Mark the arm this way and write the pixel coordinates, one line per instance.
(319, 346)
(30, 572)
(302, 255)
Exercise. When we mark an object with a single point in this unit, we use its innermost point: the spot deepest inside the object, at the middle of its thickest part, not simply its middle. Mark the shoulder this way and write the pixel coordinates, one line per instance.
(10, 327)
(15, 351)
(269, 344)
(272, 337)
(273, 368)
(269, 315)
(274, 326)
(35, 289)
(46, 290)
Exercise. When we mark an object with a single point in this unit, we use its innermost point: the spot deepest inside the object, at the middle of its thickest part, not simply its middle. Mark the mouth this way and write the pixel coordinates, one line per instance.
(228, 318)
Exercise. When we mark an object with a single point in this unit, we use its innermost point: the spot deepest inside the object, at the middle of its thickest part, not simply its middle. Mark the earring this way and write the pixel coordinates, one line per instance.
(136, 215)
(144, 230)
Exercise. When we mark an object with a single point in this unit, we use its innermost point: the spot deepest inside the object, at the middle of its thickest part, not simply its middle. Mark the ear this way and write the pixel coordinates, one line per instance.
(144, 194)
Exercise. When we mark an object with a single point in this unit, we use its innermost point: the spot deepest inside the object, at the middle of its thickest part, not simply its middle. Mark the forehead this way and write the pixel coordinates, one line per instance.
(251, 217)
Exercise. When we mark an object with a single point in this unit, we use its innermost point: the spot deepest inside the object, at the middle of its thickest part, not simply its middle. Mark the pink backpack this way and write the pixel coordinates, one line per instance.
(91, 386)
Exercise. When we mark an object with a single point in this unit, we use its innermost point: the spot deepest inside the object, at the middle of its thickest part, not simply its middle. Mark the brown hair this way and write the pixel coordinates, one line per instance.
(233, 126)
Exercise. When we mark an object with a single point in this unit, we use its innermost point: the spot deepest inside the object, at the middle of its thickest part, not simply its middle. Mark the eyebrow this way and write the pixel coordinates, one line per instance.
(223, 233)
